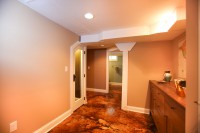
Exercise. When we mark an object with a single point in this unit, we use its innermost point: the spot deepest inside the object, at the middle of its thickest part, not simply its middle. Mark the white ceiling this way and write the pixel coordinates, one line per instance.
(109, 15)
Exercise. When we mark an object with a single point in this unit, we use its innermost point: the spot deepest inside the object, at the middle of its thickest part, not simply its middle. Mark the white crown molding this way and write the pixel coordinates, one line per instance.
(117, 33)
(126, 32)
(112, 49)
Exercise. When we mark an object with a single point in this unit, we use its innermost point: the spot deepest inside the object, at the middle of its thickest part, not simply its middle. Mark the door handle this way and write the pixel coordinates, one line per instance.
(197, 102)
(74, 77)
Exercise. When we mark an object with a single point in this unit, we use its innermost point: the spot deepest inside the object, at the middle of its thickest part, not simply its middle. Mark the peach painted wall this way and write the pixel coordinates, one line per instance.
(147, 61)
(96, 75)
(33, 54)
(192, 65)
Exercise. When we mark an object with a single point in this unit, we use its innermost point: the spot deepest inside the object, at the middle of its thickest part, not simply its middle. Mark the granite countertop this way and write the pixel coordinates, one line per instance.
(169, 89)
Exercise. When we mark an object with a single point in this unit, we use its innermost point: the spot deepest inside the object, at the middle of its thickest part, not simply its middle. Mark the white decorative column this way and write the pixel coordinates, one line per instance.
(125, 47)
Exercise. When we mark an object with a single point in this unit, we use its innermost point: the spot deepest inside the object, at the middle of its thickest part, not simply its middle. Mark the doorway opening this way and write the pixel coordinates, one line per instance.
(115, 61)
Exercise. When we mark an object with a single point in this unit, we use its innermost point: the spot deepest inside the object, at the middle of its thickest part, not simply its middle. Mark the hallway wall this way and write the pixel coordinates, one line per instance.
(147, 61)
(33, 54)
(96, 68)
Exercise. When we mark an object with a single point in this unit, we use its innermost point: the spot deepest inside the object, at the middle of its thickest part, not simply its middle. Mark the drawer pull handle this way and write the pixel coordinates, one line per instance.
(172, 108)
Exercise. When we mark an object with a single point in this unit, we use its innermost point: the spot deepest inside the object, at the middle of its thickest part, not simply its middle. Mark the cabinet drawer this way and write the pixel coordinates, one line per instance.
(175, 109)
(175, 116)
(160, 102)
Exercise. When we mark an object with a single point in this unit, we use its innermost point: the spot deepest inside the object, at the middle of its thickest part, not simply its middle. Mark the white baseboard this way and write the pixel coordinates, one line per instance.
(115, 83)
(97, 90)
(137, 109)
(47, 127)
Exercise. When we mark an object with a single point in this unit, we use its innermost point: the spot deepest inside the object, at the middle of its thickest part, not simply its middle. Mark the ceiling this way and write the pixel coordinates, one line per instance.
(133, 18)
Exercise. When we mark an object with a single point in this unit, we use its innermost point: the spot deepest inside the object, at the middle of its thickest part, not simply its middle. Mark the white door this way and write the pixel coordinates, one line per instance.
(198, 102)
(78, 78)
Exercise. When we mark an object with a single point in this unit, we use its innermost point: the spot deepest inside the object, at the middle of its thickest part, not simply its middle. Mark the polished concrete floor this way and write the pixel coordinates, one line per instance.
(102, 114)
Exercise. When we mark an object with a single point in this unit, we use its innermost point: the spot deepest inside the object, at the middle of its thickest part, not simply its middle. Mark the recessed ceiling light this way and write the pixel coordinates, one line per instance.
(89, 15)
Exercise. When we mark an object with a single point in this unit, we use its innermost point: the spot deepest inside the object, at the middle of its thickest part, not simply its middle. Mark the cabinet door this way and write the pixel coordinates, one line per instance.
(159, 107)
(160, 100)
(175, 117)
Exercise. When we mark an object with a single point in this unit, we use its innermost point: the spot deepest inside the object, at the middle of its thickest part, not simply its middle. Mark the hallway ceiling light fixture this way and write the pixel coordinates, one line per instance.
(89, 15)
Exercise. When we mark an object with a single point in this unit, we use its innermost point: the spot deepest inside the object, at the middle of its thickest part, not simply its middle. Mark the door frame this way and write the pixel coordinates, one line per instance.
(124, 80)
(108, 54)
(72, 89)
(198, 101)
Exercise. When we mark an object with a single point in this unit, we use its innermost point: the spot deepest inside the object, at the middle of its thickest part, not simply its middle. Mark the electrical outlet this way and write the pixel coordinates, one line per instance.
(13, 126)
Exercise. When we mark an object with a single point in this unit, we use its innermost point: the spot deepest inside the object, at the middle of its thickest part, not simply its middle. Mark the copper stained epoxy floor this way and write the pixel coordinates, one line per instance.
(102, 114)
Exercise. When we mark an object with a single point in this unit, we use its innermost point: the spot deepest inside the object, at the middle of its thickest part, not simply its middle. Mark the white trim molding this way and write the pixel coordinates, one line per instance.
(85, 73)
(72, 97)
(114, 83)
(108, 52)
(125, 47)
(97, 90)
(125, 80)
(107, 72)
(74, 104)
(47, 127)
(112, 49)
(199, 64)
(137, 109)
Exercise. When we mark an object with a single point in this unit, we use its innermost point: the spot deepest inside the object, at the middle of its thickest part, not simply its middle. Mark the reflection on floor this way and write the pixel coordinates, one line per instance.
(102, 114)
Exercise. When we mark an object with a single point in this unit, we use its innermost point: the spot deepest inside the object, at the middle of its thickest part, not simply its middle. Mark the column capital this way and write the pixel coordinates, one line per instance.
(125, 46)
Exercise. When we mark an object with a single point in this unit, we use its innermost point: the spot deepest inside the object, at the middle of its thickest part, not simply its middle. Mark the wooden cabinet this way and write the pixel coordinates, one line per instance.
(168, 114)
(175, 117)
(157, 109)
